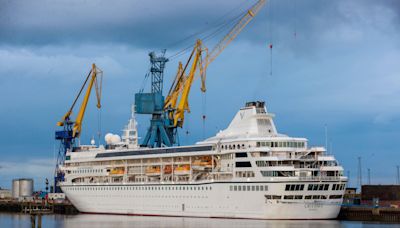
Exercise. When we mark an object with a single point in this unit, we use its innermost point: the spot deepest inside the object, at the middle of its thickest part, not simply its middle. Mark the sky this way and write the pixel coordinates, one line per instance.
(333, 64)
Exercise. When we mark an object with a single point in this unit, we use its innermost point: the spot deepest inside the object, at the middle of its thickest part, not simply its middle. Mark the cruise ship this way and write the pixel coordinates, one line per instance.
(248, 170)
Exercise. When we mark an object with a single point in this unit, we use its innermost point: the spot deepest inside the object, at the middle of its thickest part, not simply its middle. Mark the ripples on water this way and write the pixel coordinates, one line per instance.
(82, 220)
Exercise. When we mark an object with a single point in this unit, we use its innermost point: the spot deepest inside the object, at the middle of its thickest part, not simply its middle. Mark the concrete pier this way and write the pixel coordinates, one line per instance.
(37, 207)
(365, 213)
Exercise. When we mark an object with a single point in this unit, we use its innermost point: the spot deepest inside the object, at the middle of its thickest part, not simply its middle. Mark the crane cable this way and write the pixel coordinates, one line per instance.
(203, 117)
(214, 31)
(215, 23)
(208, 37)
(270, 34)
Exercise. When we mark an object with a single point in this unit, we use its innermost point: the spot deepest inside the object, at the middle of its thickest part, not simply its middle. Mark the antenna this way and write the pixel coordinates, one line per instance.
(398, 174)
(348, 177)
(369, 176)
(359, 176)
(326, 138)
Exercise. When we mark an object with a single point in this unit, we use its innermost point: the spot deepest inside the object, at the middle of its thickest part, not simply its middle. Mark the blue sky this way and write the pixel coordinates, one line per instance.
(340, 70)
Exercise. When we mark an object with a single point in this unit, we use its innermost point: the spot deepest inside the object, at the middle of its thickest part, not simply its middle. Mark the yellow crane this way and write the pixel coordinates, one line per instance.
(182, 83)
(96, 76)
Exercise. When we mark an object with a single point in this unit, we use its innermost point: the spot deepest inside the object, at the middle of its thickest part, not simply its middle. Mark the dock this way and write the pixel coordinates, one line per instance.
(367, 213)
(38, 207)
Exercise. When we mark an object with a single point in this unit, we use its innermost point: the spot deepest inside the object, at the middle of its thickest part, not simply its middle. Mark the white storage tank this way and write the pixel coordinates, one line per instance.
(25, 188)
(15, 188)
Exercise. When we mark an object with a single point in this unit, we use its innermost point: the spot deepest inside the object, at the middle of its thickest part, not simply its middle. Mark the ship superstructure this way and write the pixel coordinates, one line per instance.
(248, 170)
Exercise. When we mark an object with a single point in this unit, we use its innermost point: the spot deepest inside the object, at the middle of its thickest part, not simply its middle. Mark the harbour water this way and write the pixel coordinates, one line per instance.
(14, 220)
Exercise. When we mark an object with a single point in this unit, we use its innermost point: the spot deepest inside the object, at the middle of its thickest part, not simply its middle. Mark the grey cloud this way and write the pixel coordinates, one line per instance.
(156, 24)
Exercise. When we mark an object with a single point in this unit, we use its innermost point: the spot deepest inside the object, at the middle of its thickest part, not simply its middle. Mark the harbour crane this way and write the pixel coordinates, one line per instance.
(168, 114)
(73, 129)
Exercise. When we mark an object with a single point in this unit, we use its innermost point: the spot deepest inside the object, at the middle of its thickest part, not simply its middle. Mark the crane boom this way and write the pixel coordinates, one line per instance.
(234, 32)
(77, 124)
(183, 102)
(180, 88)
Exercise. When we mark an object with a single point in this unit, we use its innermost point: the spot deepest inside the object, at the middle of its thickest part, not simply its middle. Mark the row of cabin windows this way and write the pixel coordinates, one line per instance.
(313, 187)
(248, 188)
(243, 164)
(338, 186)
(87, 171)
(111, 188)
(294, 187)
(241, 155)
(244, 174)
(318, 187)
(299, 197)
(281, 144)
(233, 147)
(277, 173)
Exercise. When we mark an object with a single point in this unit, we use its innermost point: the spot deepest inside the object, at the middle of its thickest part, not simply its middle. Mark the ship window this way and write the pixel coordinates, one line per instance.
(323, 197)
(235, 188)
(298, 187)
(321, 187)
(287, 187)
(261, 188)
(253, 188)
(316, 197)
(241, 155)
(239, 188)
(248, 188)
(288, 197)
(307, 197)
(298, 197)
(292, 187)
(310, 187)
(315, 188)
(276, 197)
(326, 187)
(335, 196)
(243, 164)
(257, 188)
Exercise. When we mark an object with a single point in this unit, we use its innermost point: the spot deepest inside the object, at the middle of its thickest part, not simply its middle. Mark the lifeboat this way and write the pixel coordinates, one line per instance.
(202, 163)
(117, 171)
(153, 170)
(182, 169)
(167, 169)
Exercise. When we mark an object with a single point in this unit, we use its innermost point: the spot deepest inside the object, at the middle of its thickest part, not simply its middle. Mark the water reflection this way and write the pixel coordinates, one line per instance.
(167, 222)
(83, 220)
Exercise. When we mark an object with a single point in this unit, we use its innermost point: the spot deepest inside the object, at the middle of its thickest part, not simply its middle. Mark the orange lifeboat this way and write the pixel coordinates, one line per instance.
(167, 169)
(182, 169)
(153, 170)
(117, 171)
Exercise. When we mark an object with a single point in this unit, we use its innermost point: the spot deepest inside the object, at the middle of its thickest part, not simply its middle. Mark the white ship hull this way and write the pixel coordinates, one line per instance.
(216, 201)
(248, 170)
